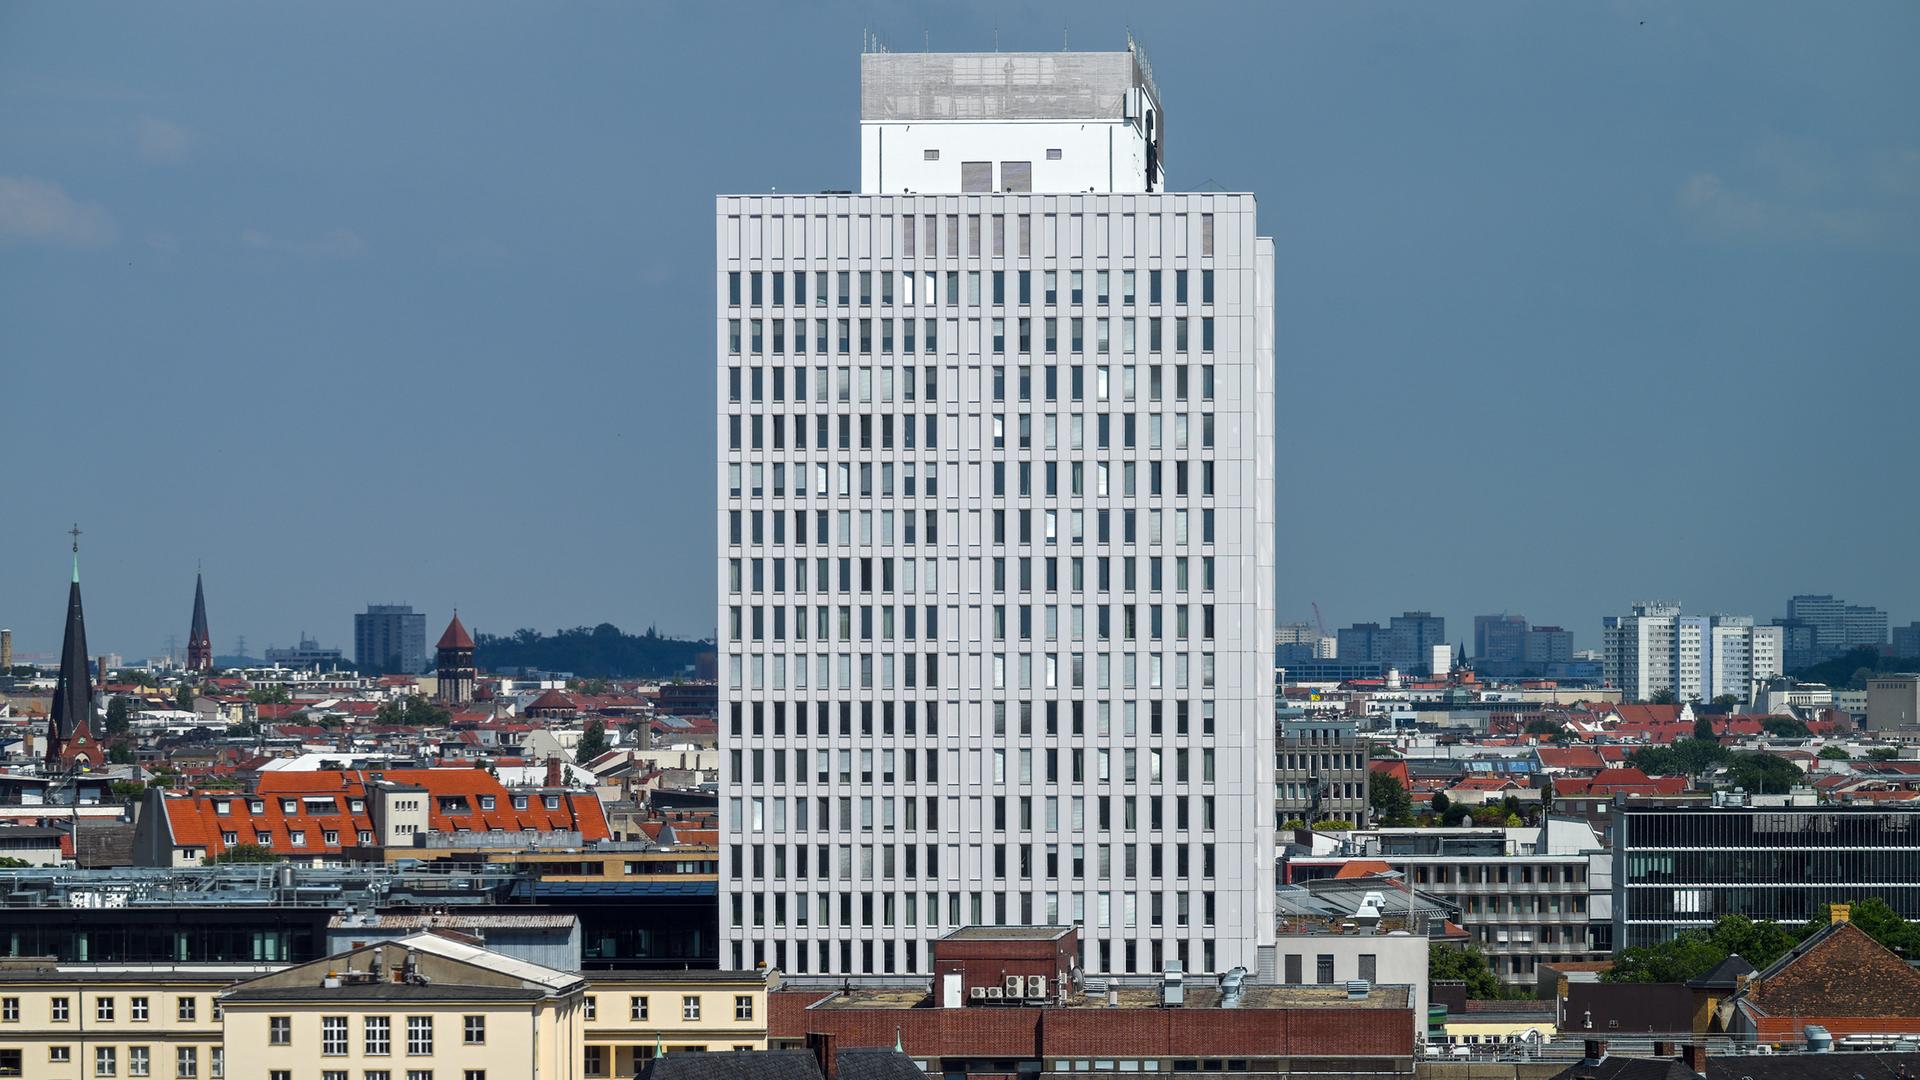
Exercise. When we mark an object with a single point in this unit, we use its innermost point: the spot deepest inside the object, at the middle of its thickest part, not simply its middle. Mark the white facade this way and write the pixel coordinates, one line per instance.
(1656, 648)
(996, 565)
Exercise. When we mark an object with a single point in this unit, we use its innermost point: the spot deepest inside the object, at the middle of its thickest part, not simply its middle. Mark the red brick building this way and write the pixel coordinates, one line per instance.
(1237, 1027)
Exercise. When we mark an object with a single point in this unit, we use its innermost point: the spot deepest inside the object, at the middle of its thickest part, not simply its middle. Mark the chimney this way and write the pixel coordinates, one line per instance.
(6, 652)
(1696, 1057)
(1663, 1048)
(554, 772)
(1596, 1051)
(825, 1054)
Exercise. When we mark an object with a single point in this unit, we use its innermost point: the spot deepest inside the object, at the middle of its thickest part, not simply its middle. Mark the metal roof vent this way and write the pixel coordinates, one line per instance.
(1173, 985)
(1233, 988)
(1819, 1039)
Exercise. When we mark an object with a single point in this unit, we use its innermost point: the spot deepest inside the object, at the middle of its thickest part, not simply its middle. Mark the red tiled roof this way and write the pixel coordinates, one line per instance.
(456, 636)
(322, 802)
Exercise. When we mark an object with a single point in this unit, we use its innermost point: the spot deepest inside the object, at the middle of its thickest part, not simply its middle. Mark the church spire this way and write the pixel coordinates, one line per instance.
(199, 642)
(71, 738)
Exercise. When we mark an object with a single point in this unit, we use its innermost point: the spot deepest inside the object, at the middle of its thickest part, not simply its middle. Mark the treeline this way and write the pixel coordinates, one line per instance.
(1851, 670)
(598, 652)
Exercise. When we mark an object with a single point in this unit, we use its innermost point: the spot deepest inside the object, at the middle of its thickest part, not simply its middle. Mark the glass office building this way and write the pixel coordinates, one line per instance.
(1684, 867)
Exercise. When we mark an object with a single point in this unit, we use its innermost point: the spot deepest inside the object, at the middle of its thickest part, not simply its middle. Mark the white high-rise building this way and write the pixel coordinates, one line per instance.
(1699, 658)
(996, 535)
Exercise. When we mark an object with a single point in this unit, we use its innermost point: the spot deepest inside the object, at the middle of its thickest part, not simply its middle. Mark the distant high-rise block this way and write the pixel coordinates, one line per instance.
(390, 639)
(996, 532)
(1499, 638)
(1654, 649)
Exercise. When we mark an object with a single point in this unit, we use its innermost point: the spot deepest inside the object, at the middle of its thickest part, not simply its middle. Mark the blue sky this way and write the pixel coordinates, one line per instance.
(1578, 303)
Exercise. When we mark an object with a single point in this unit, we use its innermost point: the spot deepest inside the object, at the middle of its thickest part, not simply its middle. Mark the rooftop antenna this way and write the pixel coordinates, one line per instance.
(996, 39)
(926, 40)
(1063, 36)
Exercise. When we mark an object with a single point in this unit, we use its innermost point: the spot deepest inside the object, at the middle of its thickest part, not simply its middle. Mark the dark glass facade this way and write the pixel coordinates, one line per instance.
(1680, 868)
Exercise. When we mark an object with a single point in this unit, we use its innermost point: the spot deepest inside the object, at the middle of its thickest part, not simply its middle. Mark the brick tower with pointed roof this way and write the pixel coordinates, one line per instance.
(73, 740)
(454, 663)
(199, 642)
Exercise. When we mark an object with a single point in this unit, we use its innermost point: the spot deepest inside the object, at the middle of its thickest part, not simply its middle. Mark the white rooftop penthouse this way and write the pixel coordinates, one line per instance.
(1010, 122)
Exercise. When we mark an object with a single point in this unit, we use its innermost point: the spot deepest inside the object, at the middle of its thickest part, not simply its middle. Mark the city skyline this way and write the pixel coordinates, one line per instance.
(466, 229)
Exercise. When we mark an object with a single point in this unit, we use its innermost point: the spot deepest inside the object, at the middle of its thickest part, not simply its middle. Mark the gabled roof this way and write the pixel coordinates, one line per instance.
(1724, 976)
(1838, 972)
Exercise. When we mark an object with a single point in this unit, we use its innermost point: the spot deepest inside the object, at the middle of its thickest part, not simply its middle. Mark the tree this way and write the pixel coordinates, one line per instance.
(593, 742)
(8, 862)
(1440, 804)
(120, 753)
(1463, 964)
(1391, 803)
(1785, 727)
(1703, 728)
(413, 710)
(1540, 725)
(270, 695)
(1293, 823)
(1546, 795)
(1664, 696)
(1686, 757)
(1834, 753)
(1884, 753)
(117, 722)
(183, 698)
(1763, 774)
(1882, 924)
(1695, 952)
(1727, 699)
(1332, 825)
(245, 853)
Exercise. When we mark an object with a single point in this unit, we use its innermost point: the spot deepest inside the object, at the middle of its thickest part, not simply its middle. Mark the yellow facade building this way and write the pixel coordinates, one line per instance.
(634, 1015)
(423, 1007)
(81, 1021)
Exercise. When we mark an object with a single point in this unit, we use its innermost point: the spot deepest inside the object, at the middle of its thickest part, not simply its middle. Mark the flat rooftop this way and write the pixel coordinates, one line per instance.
(1141, 997)
(1000, 86)
(1008, 933)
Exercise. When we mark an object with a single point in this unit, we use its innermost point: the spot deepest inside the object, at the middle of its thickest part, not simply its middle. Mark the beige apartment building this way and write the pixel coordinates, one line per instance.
(634, 1015)
(82, 1021)
(423, 1007)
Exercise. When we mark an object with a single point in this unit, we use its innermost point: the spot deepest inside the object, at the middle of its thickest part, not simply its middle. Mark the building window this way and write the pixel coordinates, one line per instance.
(419, 1035)
(333, 1036)
(60, 1013)
(217, 1059)
(280, 1030)
(12, 1062)
(103, 1010)
(690, 1007)
(929, 155)
(139, 1061)
(60, 1055)
(378, 1036)
(280, 1074)
(743, 1007)
(476, 1031)
(637, 1007)
(187, 1009)
(596, 1061)
(1323, 969)
(10, 1010)
(419, 1074)
(138, 1010)
(476, 1074)
(1053, 154)
(333, 1074)
(186, 1062)
(106, 1061)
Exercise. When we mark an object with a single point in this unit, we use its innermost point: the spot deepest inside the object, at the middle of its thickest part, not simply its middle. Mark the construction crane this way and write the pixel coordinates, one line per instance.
(1318, 622)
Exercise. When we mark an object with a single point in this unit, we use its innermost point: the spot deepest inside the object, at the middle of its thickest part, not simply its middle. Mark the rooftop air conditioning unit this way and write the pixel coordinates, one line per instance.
(977, 993)
(1036, 986)
(994, 993)
(1016, 987)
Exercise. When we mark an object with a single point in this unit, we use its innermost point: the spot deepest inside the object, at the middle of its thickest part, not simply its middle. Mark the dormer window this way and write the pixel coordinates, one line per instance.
(553, 802)
(486, 802)
(223, 806)
(256, 806)
(289, 806)
(264, 839)
(358, 806)
(519, 802)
